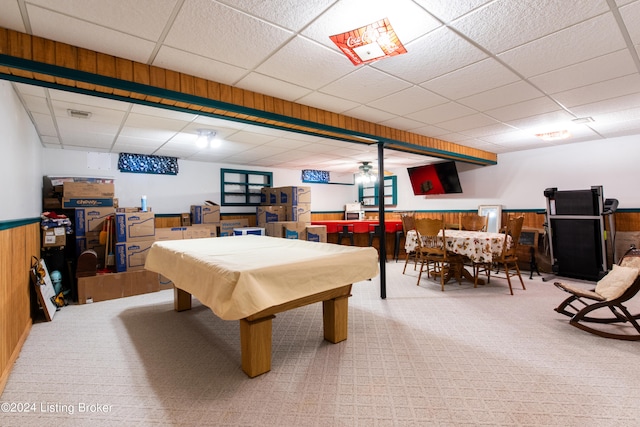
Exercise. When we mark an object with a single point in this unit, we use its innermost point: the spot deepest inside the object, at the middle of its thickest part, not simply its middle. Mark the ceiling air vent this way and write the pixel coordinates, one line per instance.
(79, 114)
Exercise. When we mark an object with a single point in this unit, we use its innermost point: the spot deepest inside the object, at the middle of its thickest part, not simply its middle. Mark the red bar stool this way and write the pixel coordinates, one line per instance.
(347, 232)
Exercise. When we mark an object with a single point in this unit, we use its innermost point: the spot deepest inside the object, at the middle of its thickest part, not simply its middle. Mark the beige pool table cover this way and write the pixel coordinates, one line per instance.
(242, 275)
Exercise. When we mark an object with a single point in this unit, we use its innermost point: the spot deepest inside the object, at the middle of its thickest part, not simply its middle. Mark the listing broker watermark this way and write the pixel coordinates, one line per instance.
(55, 408)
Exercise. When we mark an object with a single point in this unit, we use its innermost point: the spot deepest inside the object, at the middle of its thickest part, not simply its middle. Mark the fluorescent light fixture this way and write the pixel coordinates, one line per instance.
(554, 136)
(369, 43)
(205, 139)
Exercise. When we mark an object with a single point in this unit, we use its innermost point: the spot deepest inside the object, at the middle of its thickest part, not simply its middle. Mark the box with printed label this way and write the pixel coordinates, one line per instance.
(317, 233)
(258, 231)
(299, 213)
(205, 214)
(87, 194)
(169, 233)
(276, 228)
(268, 196)
(135, 226)
(91, 219)
(227, 225)
(295, 230)
(293, 195)
(131, 256)
(54, 237)
(267, 214)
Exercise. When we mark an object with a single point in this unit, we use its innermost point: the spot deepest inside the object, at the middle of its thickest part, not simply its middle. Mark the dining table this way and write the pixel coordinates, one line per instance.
(477, 246)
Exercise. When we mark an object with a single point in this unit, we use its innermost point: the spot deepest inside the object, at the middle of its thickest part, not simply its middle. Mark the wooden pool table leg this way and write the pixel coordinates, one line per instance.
(181, 300)
(335, 313)
(255, 345)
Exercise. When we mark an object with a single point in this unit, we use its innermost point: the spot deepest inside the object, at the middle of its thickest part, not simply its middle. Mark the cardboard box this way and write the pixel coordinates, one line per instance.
(317, 233)
(227, 225)
(205, 214)
(131, 256)
(258, 231)
(135, 226)
(54, 237)
(624, 241)
(87, 194)
(268, 196)
(88, 190)
(169, 233)
(90, 219)
(276, 228)
(199, 231)
(185, 219)
(299, 213)
(116, 285)
(293, 195)
(265, 214)
(295, 230)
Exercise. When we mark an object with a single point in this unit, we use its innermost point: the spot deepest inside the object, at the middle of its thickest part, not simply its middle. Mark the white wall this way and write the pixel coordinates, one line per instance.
(195, 183)
(519, 179)
(20, 160)
(516, 182)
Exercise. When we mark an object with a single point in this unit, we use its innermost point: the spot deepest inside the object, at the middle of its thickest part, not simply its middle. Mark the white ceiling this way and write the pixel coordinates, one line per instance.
(483, 74)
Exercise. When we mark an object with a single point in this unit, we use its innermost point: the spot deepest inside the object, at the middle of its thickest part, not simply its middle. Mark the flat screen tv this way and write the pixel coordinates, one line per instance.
(437, 178)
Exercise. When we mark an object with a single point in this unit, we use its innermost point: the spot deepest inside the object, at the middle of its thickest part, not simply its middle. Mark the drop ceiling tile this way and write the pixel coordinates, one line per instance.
(364, 112)
(609, 106)
(86, 102)
(484, 131)
(365, 85)
(33, 90)
(529, 20)
(267, 85)
(143, 18)
(631, 17)
(306, 63)
(76, 32)
(605, 67)
(298, 13)
(446, 10)
(441, 113)
(327, 102)
(566, 47)
(467, 122)
(478, 77)
(408, 101)
(545, 122)
(433, 55)
(524, 109)
(402, 123)
(499, 97)
(11, 18)
(212, 30)
(143, 121)
(198, 65)
(36, 104)
(601, 91)
(45, 125)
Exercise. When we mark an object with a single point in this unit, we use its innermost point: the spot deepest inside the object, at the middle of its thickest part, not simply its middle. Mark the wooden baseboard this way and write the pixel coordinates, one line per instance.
(14, 356)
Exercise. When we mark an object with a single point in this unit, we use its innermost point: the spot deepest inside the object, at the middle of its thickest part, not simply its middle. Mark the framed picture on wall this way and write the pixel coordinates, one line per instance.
(494, 216)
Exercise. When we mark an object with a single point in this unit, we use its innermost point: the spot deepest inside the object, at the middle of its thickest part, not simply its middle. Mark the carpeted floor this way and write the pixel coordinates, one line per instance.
(421, 357)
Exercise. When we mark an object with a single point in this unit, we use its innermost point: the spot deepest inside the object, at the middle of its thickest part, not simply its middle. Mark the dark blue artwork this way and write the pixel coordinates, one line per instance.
(141, 163)
(310, 175)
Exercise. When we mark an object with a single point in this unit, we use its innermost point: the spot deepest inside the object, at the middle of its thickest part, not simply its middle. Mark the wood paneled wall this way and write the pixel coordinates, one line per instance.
(17, 246)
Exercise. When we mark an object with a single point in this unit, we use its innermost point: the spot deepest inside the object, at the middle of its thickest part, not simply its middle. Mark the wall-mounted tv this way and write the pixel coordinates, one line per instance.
(437, 178)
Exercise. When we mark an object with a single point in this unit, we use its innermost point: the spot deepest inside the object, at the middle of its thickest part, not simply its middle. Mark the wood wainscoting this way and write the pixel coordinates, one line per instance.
(17, 247)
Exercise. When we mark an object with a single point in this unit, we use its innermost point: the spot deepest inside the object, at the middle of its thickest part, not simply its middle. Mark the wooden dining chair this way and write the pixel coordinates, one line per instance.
(408, 224)
(508, 258)
(432, 252)
(473, 222)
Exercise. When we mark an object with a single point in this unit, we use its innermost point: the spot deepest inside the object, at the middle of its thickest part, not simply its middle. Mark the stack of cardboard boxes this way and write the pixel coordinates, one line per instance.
(286, 212)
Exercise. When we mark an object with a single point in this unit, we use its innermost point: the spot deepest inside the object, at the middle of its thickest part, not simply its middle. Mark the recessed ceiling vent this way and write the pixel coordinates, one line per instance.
(78, 114)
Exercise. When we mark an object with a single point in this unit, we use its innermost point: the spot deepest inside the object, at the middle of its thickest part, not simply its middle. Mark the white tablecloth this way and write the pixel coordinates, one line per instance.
(242, 275)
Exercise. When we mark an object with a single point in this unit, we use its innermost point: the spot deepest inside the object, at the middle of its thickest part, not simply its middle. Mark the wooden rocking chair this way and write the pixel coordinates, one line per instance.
(620, 285)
